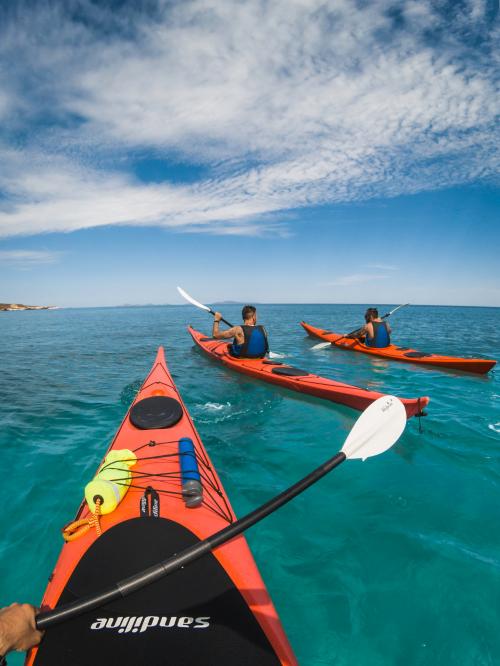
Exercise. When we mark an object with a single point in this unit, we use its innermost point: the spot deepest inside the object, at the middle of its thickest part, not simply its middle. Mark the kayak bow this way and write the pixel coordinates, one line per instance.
(297, 380)
(394, 353)
(166, 497)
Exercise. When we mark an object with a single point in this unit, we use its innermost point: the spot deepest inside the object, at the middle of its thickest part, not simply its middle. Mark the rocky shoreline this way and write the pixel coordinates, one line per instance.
(8, 307)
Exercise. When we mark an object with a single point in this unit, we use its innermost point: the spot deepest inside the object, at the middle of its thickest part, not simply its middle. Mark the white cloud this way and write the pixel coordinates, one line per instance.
(288, 104)
(28, 258)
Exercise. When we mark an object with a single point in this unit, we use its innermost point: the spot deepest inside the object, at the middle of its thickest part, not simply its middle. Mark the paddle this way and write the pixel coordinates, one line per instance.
(375, 431)
(322, 345)
(197, 304)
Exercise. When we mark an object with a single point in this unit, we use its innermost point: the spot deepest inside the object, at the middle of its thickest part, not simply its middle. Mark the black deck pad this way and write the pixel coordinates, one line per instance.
(416, 354)
(266, 362)
(156, 412)
(208, 339)
(327, 332)
(202, 593)
(289, 371)
(403, 348)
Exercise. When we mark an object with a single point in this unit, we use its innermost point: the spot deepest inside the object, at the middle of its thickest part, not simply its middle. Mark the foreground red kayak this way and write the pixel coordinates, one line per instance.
(394, 353)
(156, 494)
(277, 373)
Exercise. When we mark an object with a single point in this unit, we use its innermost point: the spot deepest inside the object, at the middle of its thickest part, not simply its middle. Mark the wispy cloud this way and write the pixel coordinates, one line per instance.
(355, 278)
(28, 258)
(287, 104)
(383, 267)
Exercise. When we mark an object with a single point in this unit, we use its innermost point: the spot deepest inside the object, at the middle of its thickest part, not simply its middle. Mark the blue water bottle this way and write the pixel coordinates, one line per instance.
(192, 490)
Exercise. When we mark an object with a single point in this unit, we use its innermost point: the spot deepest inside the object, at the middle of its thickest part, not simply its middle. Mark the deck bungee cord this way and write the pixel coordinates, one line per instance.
(215, 501)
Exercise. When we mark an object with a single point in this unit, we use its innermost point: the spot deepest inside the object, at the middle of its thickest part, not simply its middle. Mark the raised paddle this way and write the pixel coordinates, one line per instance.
(197, 304)
(323, 345)
(375, 431)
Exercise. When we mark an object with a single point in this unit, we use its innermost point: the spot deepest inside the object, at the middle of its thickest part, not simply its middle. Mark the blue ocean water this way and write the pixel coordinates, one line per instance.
(391, 561)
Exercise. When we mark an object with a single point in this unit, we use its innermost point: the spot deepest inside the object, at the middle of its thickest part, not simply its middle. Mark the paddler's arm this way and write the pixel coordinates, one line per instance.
(222, 335)
(358, 334)
(18, 629)
(365, 333)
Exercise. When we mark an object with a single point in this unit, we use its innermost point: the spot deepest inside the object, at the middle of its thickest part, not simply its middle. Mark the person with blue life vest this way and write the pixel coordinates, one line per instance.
(376, 331)
(250, 340)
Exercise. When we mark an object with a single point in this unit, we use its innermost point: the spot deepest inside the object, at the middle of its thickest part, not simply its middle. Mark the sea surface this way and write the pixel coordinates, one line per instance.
(394, 561)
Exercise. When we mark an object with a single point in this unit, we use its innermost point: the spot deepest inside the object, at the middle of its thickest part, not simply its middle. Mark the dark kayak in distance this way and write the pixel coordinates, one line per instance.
(300, 381)
(215, 611)
(406, 354)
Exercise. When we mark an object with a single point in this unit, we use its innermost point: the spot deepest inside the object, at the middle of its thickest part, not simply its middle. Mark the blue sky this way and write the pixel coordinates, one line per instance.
(282, 151)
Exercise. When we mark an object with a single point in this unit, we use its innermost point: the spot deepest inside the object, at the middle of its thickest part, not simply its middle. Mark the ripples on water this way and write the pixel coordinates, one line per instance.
(392, 561)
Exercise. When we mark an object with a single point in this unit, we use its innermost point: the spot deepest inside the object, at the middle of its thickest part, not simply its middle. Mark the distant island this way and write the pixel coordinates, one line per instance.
(5, 307)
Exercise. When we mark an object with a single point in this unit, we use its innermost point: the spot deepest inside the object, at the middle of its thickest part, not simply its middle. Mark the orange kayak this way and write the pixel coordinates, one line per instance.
(394, 353)
(216, 610)
(297, 380)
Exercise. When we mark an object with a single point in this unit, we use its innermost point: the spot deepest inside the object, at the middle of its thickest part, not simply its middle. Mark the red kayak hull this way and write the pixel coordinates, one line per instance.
(405, 354)
(307, 384)
(178, 638)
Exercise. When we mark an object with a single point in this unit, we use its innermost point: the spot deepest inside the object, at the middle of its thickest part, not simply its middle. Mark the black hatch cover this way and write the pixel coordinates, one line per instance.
(156, 412)
(289, 371)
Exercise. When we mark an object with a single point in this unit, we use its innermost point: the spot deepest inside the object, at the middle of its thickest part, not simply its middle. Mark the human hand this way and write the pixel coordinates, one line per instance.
(18, 628)
(217, 316)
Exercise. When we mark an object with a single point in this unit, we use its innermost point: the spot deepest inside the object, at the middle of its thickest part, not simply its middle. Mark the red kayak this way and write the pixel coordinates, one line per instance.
(301, 381)
(157, 493)
(394, 353)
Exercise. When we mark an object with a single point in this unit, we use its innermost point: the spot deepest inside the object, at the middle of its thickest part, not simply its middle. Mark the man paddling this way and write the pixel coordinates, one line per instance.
(250, 340)
(18, 629)
(377, 332)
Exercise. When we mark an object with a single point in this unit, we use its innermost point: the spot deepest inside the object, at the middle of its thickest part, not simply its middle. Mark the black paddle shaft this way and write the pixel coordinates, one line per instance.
(222, 319)
(179, 560)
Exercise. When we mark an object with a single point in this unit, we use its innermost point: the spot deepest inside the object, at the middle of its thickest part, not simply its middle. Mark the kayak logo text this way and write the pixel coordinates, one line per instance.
(138, 625)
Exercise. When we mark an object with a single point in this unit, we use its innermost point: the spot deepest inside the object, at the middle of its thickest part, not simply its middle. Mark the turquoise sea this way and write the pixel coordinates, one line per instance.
(395, 561)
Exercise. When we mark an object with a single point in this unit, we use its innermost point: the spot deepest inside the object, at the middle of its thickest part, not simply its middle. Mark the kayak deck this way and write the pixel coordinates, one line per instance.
(216, 610)
(300, 381)
(406, 354)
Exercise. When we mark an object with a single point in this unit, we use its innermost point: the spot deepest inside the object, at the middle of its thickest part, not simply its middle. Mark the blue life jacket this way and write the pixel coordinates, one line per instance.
(255, 344)
(381, 337)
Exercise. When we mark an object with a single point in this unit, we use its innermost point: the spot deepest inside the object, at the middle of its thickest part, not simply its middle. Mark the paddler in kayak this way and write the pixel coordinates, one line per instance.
(250, 340)
(376, 331)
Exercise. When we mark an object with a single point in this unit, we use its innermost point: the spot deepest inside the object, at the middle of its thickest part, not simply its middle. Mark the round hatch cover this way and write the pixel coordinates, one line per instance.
(155, 412)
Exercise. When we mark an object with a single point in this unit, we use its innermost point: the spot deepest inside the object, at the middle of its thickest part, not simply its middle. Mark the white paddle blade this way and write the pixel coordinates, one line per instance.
(377, 429)
(275, 355)
(321, 345)
(191, 300)
(399, 306)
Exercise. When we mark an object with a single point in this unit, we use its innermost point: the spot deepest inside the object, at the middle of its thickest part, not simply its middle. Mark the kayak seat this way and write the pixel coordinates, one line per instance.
(196, 615)
(417, 354)
(272, 362)
(289, 371)
(156, 412)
